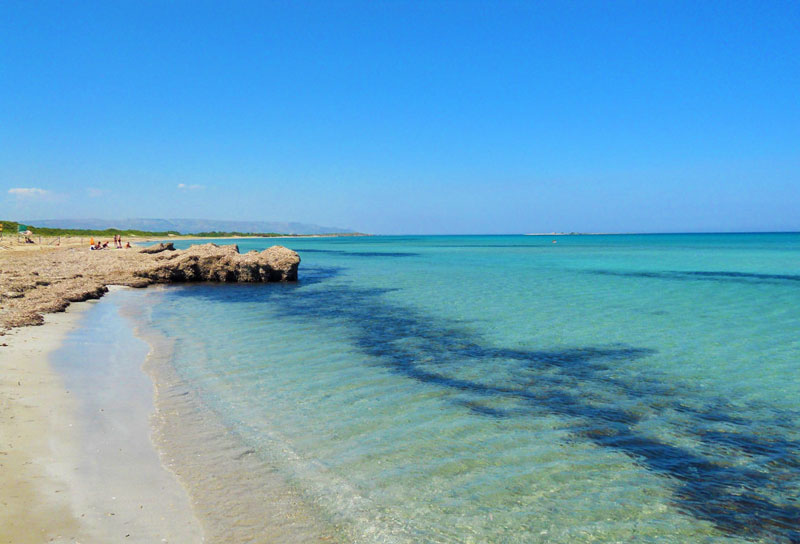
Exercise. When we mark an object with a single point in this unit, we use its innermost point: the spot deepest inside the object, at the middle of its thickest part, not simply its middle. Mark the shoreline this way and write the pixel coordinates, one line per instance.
(94, 452)
(78, 455)
(237, 496)
(79, 462)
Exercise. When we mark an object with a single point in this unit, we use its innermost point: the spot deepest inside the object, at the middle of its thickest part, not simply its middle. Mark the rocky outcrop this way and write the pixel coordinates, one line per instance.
(210, 262)
(158, 248)
(36, 283)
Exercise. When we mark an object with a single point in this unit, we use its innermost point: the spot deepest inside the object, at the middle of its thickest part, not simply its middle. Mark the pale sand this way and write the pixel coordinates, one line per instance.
(12, 243)
(35, 414)
(66, 476)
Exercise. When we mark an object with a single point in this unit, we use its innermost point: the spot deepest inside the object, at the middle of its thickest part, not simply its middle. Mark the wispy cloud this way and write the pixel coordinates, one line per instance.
(185, 187)
(28, 192)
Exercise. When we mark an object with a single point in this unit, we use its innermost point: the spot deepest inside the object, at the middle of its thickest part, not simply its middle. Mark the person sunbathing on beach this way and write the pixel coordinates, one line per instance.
(127, 245)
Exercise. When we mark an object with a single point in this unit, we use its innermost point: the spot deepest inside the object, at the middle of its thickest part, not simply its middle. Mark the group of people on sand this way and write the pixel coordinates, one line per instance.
(104, 245)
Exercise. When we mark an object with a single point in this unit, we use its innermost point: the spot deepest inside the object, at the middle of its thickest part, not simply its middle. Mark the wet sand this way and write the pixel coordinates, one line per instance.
(77, 463)
(239, 497)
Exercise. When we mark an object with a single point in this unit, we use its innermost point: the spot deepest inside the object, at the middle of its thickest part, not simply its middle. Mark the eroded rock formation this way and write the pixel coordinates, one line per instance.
(35, 283)
(211, 262)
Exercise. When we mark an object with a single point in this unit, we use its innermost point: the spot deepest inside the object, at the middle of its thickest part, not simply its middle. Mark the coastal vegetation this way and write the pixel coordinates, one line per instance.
(11, 227)
(222, 234)
(8, 227)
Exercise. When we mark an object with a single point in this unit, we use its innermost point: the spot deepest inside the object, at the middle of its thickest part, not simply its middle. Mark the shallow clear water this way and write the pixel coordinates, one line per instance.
(509, 389)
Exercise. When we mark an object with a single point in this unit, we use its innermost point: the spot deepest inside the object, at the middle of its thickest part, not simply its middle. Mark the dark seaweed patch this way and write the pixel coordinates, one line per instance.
(700, 275)
(360, 253)
(526, 246)
(589, 387)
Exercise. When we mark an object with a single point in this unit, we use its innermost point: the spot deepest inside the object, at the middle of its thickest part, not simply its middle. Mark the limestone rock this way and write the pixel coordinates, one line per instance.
(210, 262)
(158, 248)
(68, 275)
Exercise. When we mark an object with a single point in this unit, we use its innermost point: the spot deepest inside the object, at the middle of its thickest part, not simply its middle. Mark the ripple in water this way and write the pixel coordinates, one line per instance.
(408, 399)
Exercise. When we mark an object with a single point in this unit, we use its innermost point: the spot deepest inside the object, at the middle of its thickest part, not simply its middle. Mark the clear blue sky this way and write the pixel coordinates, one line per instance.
(405, 117)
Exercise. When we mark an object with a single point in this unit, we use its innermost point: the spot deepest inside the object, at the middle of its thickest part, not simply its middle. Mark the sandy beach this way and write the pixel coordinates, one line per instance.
(78, 467)
(77, 457)
(12, 243)
(79, 424)
(35, 414)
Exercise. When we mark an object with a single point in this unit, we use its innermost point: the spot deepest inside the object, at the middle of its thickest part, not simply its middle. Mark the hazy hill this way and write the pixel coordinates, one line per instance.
(186, 226)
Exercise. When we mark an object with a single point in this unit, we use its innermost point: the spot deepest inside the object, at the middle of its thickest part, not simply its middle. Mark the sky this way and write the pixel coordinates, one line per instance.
(405, 117)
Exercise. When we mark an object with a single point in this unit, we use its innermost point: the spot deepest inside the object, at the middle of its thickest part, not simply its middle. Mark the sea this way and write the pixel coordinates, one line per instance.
(502, 389)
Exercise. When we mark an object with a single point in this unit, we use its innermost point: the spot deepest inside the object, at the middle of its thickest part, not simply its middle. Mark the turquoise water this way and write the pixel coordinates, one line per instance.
(508, 389)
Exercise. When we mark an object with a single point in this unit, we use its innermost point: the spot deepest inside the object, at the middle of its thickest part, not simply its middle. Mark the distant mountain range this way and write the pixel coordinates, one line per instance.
(187, 226)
